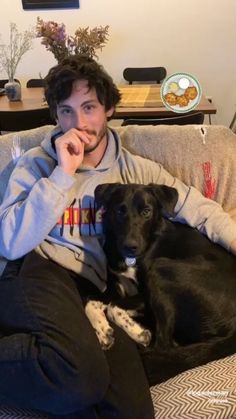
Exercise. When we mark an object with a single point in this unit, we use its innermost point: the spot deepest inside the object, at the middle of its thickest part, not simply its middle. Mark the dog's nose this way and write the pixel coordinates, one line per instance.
(130, 247)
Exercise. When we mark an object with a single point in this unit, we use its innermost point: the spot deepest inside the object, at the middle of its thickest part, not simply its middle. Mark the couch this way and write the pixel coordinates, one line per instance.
(204, 156)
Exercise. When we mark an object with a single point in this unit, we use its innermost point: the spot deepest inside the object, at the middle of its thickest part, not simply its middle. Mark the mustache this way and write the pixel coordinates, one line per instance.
(87, 131)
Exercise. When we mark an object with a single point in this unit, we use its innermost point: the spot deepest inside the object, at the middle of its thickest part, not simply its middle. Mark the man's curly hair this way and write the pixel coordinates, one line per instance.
(59, 81)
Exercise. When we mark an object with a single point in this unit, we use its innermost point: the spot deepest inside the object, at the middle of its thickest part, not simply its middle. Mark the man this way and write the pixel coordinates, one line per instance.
(50, 358)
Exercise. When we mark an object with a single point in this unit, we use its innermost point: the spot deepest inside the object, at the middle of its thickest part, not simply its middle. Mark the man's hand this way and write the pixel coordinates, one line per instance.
(233, 247)
(70, 150)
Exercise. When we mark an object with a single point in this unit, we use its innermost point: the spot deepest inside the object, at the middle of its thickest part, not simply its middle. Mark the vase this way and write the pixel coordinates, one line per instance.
(13, 90)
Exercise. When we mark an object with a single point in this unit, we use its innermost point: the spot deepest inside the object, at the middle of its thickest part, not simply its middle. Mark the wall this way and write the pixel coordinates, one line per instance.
(195, 36)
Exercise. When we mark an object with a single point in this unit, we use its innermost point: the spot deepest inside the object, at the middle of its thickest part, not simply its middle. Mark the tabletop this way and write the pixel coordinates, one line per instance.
(137, 100)
(32, 98)
(145, 100)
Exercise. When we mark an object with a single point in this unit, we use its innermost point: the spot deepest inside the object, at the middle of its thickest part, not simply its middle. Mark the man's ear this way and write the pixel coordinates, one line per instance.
(166, 196)
(110, 112)
(103, 193)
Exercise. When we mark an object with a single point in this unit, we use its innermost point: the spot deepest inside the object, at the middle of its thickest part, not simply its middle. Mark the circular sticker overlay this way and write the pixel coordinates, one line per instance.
(181, 92)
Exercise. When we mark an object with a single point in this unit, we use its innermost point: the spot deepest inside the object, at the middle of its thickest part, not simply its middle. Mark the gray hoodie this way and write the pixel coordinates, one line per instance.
(54, 213)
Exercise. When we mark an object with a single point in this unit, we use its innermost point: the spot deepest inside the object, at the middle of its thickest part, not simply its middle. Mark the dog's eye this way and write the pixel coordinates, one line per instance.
(121, 210)
(146, 212)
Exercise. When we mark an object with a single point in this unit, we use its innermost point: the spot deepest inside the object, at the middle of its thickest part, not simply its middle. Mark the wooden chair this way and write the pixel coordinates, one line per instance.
(194, 118)
(23, 120)
(144, 74)
(35, 83)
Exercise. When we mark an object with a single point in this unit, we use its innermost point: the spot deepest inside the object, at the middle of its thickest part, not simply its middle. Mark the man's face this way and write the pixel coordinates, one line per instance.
(83, 111)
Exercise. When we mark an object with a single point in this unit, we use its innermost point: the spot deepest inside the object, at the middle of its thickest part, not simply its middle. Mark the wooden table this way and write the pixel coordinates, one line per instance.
(32, 98)
(137, 100)
(28, 113)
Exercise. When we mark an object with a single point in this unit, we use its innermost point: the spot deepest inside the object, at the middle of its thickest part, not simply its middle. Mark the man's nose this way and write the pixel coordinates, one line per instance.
(80, 120)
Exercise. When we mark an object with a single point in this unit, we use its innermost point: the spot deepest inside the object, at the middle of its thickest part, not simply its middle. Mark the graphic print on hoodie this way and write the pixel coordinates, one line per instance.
(82, 217)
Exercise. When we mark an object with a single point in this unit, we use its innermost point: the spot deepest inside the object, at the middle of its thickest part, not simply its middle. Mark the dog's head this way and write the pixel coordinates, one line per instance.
(133, 214)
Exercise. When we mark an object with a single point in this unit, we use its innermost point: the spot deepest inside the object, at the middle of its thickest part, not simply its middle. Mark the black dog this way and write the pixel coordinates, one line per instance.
(188, 283)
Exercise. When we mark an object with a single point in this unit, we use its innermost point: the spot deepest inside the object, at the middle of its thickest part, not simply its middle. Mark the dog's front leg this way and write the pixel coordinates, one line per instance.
(95, 311)
(164, 312)
(124, 319)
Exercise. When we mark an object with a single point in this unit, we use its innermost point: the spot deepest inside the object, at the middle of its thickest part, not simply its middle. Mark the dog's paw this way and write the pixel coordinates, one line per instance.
(106, 338)
(95, 311)
(144, 338)
(123, 318)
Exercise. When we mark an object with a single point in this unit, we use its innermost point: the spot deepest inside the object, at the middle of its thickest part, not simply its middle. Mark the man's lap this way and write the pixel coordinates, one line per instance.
(46, 313)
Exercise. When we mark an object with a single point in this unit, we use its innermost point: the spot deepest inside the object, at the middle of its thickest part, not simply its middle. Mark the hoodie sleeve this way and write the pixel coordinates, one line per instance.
(33, 202)
(192, 207)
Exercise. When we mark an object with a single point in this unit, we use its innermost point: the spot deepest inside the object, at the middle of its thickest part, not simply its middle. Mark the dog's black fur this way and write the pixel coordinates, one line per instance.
(187, 282)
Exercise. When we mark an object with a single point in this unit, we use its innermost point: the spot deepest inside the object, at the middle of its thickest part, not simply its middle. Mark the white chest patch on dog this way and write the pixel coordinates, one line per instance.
(130, 273)
(127, 284)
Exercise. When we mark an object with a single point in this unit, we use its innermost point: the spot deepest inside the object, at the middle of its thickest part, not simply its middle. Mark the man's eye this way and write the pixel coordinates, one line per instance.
(65, 111)
(88, 108)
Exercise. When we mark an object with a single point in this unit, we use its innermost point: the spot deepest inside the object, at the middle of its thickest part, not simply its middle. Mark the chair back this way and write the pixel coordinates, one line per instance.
(194, 118)
(35, 83)
(233, 124)
(4, 81)
(144, 74)
(22, 120)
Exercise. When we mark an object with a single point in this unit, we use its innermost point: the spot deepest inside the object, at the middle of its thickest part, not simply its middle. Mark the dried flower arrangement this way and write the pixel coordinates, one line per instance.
(85, 41)
(11, 54)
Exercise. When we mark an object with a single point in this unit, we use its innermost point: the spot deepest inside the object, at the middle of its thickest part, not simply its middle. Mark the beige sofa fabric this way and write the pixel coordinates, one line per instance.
(8, 148)
(202, 156)
(205, 392)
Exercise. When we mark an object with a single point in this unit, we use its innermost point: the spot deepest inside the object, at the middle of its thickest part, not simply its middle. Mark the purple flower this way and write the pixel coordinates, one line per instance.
(56, 40)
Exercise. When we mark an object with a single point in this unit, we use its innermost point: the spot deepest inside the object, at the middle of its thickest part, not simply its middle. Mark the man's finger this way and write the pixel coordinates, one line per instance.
(83, 136)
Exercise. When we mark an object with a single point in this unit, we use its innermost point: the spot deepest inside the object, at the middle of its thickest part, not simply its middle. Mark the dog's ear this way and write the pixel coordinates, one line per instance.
(167, 197)
(103, 193)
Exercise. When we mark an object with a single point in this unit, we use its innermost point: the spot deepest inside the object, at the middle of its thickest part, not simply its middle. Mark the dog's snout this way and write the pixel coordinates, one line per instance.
(130, 247)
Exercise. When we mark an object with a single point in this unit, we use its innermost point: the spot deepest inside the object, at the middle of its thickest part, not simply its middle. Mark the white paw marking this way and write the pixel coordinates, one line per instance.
(123, 319)
(96, 315)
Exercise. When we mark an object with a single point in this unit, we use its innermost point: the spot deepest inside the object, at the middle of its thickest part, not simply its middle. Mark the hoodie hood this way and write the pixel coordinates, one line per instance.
(111, 155)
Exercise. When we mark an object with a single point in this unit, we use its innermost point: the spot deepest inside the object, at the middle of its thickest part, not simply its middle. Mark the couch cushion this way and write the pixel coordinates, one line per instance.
(200, 155)
(7, 412)
(204, 392)
(26, 139)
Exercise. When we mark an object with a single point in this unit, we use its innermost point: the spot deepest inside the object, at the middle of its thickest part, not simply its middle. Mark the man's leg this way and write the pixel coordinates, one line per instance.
(128, 395)
(50, 358)
(89, 413)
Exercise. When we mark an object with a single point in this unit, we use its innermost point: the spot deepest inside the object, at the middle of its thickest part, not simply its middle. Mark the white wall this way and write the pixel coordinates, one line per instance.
(195, 36)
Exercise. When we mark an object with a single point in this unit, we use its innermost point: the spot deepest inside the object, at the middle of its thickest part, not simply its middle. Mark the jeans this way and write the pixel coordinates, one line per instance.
(50, 357)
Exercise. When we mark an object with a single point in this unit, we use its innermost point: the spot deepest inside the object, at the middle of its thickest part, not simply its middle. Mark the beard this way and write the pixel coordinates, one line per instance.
(98, 138)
